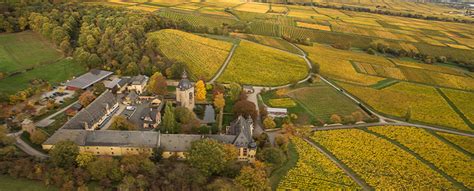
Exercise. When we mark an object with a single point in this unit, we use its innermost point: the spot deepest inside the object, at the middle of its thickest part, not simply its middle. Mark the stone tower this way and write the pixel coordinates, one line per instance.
(185, 93)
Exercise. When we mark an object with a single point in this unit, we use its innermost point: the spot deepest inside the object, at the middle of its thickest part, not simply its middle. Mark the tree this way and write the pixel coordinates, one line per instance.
(200, 90)
(105, 167)
(86, 98)
(99, 88)
(358, 116)
(157, 84)
(252, 178)
(271, 155)
(7, 143)
(169, 121)
(281, 140)
(84, 158)
(408, 114)
(234, 91)
(122, 123)
(245, 108)
(336, 118)
(38, 137)
(208, 156)
(64, 154)
(157, 154)
(219, 103)
(269, 123)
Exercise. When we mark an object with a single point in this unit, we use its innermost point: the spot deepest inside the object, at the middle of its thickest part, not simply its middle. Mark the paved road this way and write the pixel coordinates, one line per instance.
(48, 120)
(227, 61)
(342, 166)
(25, 147)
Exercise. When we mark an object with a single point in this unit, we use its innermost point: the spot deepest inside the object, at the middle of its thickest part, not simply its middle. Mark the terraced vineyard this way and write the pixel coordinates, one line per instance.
(453, 162)
(380, 163)
(398, 99)
(261, 65)
(196, 19)
(463, 101)
(203, 56)
(313, 169)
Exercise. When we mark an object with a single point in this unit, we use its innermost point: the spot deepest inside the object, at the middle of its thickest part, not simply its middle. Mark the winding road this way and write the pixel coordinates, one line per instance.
(25, 147)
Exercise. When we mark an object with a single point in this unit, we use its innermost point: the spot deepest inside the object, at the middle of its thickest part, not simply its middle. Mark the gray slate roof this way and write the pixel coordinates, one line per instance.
(113, 83)
(122, 138)
(140, 79)
(76, 136)
(209, 115)
(177, 142)
(106, 138)
(88, 79)
(184, 83)
(242, 129)
(92, 113)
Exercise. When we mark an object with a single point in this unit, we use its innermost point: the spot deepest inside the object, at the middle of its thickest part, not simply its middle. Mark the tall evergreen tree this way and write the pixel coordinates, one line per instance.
(169, 121)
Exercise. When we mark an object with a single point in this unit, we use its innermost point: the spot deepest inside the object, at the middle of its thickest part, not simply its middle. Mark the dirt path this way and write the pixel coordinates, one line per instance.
(227, 61)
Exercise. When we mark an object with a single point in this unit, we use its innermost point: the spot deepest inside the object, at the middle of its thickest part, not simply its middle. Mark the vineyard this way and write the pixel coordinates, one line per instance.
(202, 56)
(323, 101)
(463, 101)
(196, 19)
(454, 163)
(269, 41)
(419, 100)
(465, 143)
(380, 163)
(313, 170)
(261, 65)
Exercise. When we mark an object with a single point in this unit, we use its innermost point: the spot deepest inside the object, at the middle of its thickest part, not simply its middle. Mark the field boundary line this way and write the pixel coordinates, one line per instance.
(226, 62)
(455, 108)
(419, 157)
(349, 172)
(451, 144)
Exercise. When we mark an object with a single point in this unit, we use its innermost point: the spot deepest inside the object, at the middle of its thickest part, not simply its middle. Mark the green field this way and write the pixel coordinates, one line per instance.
(20, 51)
(53, 73)
(322, 101)
(12, 184)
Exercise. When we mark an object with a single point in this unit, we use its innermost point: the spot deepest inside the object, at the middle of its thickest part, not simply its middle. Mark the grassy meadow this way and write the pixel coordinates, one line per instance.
(25, 50)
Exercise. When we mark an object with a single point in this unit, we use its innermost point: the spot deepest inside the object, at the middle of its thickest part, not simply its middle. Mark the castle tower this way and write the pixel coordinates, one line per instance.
(185, 93)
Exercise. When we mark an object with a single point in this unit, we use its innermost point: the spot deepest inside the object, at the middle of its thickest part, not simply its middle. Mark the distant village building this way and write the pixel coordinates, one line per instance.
(87, 80)
(138, 84)
(185, 93)
(93, 116)
(277, 112)
(117, 85)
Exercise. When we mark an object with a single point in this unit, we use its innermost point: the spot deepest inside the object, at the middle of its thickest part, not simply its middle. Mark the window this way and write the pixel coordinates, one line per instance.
(112, 152)
(245, 151)
(97, 152)
(111, 148)
(97, 148)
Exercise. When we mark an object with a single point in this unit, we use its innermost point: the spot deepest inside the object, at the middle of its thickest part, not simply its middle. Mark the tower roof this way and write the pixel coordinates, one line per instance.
(184, 83)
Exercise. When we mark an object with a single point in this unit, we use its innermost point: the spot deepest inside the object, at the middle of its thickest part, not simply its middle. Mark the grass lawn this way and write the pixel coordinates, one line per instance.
(53, 73)
(322, 101)
(280, 172)
(20, 51)
(12, 184)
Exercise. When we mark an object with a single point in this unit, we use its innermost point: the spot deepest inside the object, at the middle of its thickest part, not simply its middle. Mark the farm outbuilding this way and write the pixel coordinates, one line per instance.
(87, 80)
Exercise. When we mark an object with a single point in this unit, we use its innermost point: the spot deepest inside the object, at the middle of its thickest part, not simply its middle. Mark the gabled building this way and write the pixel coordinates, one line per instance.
(116, 143)
(138, 83)
(93, 116)
(243, 130)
